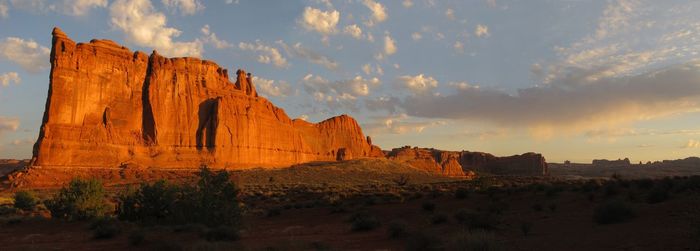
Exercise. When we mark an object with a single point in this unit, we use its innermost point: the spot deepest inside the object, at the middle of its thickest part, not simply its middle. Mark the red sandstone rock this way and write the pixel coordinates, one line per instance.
(108, 106)
(464, 163)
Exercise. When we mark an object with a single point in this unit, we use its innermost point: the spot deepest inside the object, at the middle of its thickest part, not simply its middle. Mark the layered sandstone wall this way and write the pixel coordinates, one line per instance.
(108, 106)
(465, 163)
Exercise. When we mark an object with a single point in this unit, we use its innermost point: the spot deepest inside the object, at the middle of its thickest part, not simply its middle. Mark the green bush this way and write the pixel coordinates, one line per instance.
(25, 200)
(212, 201)
(364, 221)
(80, 200)
(613, 212)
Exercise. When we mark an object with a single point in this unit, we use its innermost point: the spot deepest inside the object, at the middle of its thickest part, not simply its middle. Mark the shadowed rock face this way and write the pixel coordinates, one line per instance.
(465, 163)
(108, 107)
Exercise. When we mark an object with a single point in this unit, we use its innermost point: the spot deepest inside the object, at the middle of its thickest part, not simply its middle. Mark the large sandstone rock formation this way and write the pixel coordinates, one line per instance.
(108, 107)
(465, 163)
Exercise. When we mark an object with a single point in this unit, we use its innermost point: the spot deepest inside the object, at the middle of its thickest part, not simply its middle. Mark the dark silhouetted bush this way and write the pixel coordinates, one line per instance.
(657, 194)
(212, 201)
(439, 218)
(80, 200)
(476, 220)
(137, 237)
(364, 221)
(428, 206)
(105, 228)
(526, 228)
(613, 212)
(397, 229)
(25, 200)
(462, 193)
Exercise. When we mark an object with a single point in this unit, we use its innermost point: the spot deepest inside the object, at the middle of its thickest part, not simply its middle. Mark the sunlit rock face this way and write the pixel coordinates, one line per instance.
(109, 107)
(465, 163)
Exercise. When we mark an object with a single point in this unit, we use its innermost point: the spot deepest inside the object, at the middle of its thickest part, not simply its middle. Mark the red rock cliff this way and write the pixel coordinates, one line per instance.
(465, 163)
(108, 106)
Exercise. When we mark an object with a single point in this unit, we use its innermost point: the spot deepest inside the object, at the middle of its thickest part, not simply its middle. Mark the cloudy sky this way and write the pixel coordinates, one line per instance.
(572, 79)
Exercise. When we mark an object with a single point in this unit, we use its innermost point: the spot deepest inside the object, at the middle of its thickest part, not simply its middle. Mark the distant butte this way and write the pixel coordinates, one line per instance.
(110, 107)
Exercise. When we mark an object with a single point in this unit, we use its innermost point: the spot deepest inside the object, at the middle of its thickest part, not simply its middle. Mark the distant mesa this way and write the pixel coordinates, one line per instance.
(467, 164)
(611, 163)
(110, 107)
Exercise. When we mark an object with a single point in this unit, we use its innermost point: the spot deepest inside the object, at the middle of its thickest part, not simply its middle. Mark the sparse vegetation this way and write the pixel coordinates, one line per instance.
(614, 211)
(364, 221)
(80, 200)
(25, 200)
(439, 218)
(428, 206)
(461, 193)
(397, 229)
(657, 194)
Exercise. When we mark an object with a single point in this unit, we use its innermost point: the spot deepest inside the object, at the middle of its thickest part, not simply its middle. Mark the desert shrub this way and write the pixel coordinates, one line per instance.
(644, 184)
(364, 221)
(439, 218)
(428, 206)
(25, 200)
(553, 191)
(474, 241)
(692, 183)
(424, 240)
(397, 229)
(212, 201)
(80, 200)
(222, 233)
(614, 211)
(526, 228)
(657, 194)
(462, 193)
(476, 220)
(611, 189)
(590, 186)
(497, 207)
(8, 210)
(137, 237)
(274, 212)
(104, 228)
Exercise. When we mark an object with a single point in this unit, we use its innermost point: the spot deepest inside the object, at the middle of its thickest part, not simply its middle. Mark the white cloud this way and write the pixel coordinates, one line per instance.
(481, 31)
(354, 31)
(4, 10)
(8, 124)
(416, 36)
(331, 96)
(268, 55)
(186, 7)
(143, 26)
(418, 84)
(692, 144)
(389, 45)
(569, 106)
(68, 7)
(272, 88)
(323, 22)
(407, 3)
(297, 50)
(378, 12)
(211, 38)
(7, 78)
(26, 53)
(367, 69)
(400, 124)
(450, 14)
(458, 46)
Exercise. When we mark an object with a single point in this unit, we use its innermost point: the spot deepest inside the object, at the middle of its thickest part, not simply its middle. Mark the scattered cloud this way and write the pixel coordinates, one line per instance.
(568, 106)
(144, 26)
(418, 84)
(67, 7)
(378, 12)
(211, 38)
(481, 31)
(267, 54)
(4, 10)
(233, 1)
(389, 45)
(272, 88)
(185, 7)
(458, 46)
(331, 96)
(407, 3)
(416, 36)
(354, 31)
(7, 78)
(8, 124)
(28, 54)
(450, 14)
(400, 124)
(297, 50)
(692, 144)
(323, 22)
